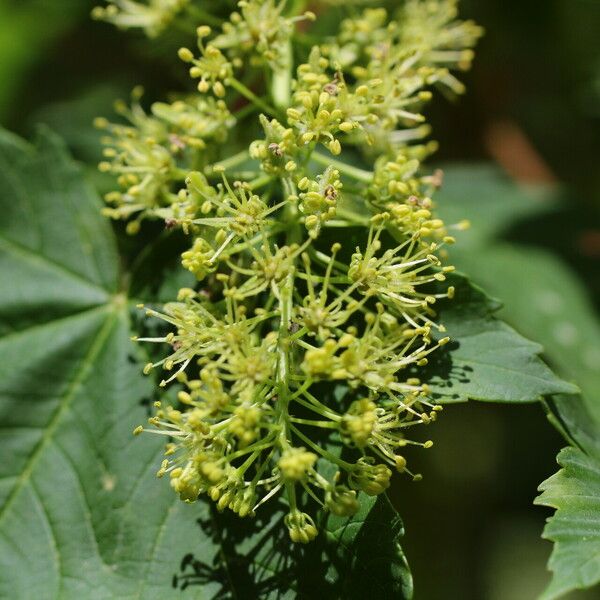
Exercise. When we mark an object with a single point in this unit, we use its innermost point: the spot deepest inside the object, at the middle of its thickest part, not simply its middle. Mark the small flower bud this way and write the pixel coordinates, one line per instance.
(342, 501)
(373, 479)
(335, 147)
(301, 527)
(185, 54)
(295, 463)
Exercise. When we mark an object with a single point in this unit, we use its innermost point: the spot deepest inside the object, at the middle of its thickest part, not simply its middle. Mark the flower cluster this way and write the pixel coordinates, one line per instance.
(396, 60)
(148, 151)
(153, 17)
(260, 30)
(318, 278)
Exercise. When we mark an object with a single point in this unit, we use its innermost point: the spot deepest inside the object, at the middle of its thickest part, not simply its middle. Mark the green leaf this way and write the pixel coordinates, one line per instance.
(81, 513)
(541, 296)
(53, 253)
(569, 414)
(73, 117)
(547, 302)
(487, 360)
(574, 491)
(370, 561)
(575, 528)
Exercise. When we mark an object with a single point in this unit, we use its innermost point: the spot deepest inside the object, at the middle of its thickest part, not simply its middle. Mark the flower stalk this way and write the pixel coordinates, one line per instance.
(317, 280)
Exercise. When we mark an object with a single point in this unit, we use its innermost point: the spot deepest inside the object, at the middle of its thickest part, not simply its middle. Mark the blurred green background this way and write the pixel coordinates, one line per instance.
(533, 110)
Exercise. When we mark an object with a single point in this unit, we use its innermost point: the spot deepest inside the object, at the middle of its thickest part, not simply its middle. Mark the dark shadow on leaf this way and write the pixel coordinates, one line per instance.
(443, 374)
(254, 558)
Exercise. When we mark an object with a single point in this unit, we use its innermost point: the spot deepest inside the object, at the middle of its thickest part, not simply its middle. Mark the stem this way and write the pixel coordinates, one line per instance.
(281, 85)
(291, 214)
(290, 491)
(251, 96)
(324, 453)
(342, 167)
(300, 333)
(179, 174)
(232, 161)
(350, 215)
(322, 424)
(315, 409)
(259, 182)
(242, 175)
(324, 410)
(283, 347)
(256, 448)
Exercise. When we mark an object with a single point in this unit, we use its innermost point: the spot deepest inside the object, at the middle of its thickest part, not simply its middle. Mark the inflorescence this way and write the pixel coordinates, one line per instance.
(295, 355)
